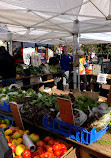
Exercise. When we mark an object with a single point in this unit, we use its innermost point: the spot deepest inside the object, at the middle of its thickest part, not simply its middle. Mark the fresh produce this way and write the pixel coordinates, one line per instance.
(13, 94)
(13, 147)
(4, 123)
(27, 153)
(84, 102)
(48, 147)
(54, 68)
(35, 109)
(20, 149)
(19, 70)
(34, 137)
(36, 70)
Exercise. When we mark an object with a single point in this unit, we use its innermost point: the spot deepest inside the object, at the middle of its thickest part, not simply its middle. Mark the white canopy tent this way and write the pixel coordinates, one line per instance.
(39, 20)
(59, 21)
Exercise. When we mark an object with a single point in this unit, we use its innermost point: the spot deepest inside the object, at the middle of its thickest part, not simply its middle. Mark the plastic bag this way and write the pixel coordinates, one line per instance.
(14, 85)
(79, 117)
(102, 122)
(46, 69)
(100, 109)
(4, 99)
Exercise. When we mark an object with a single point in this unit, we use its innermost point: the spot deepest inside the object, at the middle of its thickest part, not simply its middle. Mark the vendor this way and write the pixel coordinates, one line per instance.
(82, 73)
(7, 67)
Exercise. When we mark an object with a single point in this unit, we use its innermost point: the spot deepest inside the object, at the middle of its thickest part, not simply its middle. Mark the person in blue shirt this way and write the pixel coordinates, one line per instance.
(65, 64)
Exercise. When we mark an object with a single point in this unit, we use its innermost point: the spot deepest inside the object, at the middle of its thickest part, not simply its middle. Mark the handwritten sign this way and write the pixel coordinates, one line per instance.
(66, 112)
(16, 115)
(101, 78)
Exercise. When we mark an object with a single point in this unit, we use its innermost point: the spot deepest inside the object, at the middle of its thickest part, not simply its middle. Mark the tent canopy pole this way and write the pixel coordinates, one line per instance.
(75, 48)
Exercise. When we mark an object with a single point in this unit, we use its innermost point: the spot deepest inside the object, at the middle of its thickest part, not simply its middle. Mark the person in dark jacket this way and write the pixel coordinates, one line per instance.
(65, 65)
(7, 67)
(18, 57)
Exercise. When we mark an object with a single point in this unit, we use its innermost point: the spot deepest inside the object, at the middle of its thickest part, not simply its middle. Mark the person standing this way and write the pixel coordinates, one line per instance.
(88, 71)
(18, 57)
(82, 65)
(7, 67)
(65, 63)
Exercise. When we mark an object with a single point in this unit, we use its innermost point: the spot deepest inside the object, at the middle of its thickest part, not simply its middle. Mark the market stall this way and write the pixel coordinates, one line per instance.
(35, 106)
(59, 22)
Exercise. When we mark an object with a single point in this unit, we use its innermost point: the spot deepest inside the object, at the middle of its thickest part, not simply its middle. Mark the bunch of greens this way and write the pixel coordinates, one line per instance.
(13, 94)
(54, 68)
(19, 70)
(84, 102)
(48, 100)
(35, 70)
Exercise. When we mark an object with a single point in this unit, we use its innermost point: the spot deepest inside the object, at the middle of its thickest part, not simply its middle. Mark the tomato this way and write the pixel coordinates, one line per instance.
(13, 147)
(57, 153)
(51, 142)
(48, 155)
(37, 156)
(56, 143)
(56, 147)
(27, 153)
(40, 148)
(40, 143)
(47, 138)
(63, 146)
(39, 152)
(51, 155)
(33, 154)
(63, 151)
(49, 148)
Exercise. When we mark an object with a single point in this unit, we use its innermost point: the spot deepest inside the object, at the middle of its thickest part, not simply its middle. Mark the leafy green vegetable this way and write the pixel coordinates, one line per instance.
(35, 70)
(83, 102)
(54, 68)
(48, 100)
(19, 70)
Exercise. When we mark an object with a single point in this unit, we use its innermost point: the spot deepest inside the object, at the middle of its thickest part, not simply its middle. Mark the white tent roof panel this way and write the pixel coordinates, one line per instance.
(52, 20)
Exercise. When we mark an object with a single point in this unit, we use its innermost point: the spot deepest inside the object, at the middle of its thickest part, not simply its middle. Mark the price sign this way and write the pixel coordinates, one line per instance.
(101, 78)
(16, 115)
(66, 111)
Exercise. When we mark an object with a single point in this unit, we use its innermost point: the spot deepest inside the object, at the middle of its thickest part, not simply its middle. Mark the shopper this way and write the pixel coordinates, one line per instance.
(18, 57)
(65, 63)
(82, 65)
(7, 67)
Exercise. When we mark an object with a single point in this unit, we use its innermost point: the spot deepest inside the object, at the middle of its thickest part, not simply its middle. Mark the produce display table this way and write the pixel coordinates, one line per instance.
(58, 92)
(33, 80)
(94, 150)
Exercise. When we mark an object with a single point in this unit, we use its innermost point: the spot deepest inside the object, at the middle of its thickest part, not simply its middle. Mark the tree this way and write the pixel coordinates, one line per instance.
(97, 48)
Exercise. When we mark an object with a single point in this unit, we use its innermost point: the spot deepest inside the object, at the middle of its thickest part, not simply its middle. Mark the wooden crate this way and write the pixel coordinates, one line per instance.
(88, 153)
(71, 153)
